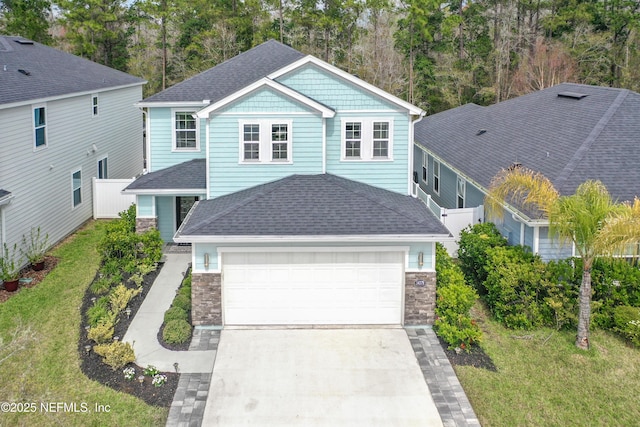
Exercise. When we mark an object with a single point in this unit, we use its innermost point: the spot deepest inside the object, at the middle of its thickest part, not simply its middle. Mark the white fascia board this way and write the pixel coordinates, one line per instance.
(167, 192)
(326, 112)
(172, 104)
(67, 95)
(408, 238)
(349, 77)
(6, 199)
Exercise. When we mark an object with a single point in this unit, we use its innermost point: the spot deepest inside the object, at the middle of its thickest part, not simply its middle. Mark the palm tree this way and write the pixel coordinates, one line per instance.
(589, 218)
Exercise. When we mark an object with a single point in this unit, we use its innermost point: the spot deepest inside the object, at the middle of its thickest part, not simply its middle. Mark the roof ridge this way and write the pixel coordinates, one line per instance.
(582, 151)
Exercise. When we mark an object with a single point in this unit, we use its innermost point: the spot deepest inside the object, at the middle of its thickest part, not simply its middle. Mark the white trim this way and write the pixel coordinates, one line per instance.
(66, 96)
(168, 192)
(174, 148)
(265, 143)
(6, 200)
(271, 114)
(366, 139)
(409, 238)
(536, 240)
(522, 233)
(172, 104)
(35, 107)
(410, 160)
(105, 157)
(380, 111)
(147, 125)
(207, 149)
(3, 227)
(324, 145)
(251, 249)
(95, 109)
(433, 176)
(350, 78)
(423, 270)
(459, 179)
(326, 112)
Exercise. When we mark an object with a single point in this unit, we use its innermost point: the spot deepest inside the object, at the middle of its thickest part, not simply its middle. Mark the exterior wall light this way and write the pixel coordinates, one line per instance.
(420, 259)
(206, 260)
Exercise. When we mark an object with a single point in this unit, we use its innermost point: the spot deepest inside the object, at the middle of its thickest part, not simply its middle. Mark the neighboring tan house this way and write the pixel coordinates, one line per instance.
(63, 121)
(291, 179)
(570, 133)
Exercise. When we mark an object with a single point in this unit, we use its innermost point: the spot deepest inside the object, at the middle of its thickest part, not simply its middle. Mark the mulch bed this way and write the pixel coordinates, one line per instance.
(35, 276)
(93, 366)
(475, 357)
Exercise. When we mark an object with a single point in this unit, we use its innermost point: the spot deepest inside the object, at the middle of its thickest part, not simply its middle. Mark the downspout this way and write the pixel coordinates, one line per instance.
(412, 144)
(206, 161)
(536, 239)
(147, 140)
(324, 145)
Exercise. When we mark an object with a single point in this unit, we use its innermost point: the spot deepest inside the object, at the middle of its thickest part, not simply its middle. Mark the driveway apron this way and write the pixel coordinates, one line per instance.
(318, 377)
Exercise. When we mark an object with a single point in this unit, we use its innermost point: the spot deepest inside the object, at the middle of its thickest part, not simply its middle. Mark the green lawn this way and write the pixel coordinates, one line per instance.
(546, 381)
(47, 370)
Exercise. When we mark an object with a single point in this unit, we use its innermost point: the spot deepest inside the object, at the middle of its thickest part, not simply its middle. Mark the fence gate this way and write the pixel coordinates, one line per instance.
(458, 219)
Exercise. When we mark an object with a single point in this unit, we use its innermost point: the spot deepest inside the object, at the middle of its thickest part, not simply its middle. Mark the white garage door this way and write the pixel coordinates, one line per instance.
(322, 288)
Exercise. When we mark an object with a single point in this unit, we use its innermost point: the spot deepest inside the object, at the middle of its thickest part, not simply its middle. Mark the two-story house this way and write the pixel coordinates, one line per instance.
(290, 178)
(63, 121)
(570, 133)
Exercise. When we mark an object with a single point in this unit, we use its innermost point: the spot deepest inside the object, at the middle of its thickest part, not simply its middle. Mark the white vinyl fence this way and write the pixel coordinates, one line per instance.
(458, 219)
(108, 200)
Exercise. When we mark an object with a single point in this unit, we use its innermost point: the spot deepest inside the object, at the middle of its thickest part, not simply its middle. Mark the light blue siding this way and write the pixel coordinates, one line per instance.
(165, 209)
(200, 249)
(509, 228)
(550, 248)
(390, 175)
(427, 249)
(266, 100)
(528, 236)
(145, 204)
(473, 196)
(160, 129)
(332, 90)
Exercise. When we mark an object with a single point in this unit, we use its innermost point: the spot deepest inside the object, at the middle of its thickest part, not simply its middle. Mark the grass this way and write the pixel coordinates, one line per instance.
(545, 380)
(47, 368)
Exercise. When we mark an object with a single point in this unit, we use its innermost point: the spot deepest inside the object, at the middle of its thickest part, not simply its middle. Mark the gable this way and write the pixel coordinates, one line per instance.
(330, 89)
(265, 99)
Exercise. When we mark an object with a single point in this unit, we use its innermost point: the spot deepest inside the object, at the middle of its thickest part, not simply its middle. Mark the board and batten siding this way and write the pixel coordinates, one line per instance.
(227, 174)
(161, 154)
(41, 181)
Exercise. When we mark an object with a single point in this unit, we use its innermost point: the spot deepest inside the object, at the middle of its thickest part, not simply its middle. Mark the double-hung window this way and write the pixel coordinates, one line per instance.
(94, 105)
(367, 139)
(185, 131)
(461, 185)
(436, 176)
(76, 187)
(40, 127)
(265, 141)
(425, 167)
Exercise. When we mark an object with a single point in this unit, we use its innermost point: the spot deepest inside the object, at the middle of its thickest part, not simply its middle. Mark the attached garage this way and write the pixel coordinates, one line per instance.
(312, 288)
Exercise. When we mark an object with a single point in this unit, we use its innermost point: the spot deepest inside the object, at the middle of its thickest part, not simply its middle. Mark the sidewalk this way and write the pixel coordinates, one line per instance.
(143, 330)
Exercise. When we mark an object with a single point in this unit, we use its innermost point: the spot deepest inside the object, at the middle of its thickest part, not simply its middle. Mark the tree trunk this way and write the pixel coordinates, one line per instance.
(584, 314)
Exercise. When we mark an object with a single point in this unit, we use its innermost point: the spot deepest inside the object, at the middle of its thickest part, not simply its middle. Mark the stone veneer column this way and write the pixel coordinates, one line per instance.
(419, 301)
(146, 224)
(206, 299)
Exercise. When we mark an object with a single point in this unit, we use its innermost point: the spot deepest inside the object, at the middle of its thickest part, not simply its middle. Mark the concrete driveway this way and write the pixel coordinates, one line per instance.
(318, 377)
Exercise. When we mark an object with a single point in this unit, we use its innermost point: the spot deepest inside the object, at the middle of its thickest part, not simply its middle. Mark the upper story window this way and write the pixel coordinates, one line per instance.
(425, 167)
(40, 127)
(185, 131)
(94, 105)
(265, 141)
(436, 176)
(367, 139)
(460, 190)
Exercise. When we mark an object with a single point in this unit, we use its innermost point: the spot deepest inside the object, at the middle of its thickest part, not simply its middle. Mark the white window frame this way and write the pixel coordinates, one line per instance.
(425, 167)
(94, 105)
(366, 139)
(461, 189)
(35, 127)
(104, 159)
(174, 139)
(74, 188)
(265, 141)
(436, 177)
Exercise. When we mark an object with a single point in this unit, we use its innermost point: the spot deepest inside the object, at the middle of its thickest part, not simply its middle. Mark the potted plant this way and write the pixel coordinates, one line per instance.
(35, 248)
(9, 268)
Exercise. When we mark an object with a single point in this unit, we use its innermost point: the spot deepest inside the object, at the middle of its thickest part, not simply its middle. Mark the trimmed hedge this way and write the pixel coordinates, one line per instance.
(176, 331)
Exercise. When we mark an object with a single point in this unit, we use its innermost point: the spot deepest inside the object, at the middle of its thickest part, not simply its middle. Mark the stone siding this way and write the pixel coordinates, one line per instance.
(419, 301)
(146, 224)
(206, 299)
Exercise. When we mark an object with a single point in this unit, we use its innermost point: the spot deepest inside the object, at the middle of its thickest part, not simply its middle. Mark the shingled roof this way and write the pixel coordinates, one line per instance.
(190, 175)
(232, 75)
(31, 71)
(570, 133)
(311, 205)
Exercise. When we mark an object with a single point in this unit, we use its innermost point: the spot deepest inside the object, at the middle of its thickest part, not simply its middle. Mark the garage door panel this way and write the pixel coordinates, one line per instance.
(312, 288)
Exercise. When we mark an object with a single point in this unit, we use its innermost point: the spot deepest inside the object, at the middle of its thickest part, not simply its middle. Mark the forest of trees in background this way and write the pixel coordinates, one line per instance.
(434, 54)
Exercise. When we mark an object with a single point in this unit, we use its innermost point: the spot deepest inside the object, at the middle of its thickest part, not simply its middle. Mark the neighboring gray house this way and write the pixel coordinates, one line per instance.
(570, 133)
(63, 120)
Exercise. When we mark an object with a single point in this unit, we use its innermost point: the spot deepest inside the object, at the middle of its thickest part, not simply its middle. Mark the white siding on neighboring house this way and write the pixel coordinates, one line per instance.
(41, 180)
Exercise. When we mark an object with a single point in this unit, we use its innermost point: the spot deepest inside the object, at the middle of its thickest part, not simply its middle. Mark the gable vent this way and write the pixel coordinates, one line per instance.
(572, 95)
(23, 41)
(25, 72)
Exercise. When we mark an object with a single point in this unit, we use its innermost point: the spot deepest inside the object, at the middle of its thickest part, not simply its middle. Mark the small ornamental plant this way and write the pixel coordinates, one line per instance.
(129, 373)
(159, 380)
(151, 371)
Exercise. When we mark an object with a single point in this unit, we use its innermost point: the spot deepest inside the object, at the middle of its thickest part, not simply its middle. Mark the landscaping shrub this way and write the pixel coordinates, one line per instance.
(120, 297)
(98, 312)
(454, 301)
(627, 323)
(101, 286)
(116, 354)
(186, 291)
(182, 301)
(102, 332)
(176, 331)
(472, 252)
(175, 313)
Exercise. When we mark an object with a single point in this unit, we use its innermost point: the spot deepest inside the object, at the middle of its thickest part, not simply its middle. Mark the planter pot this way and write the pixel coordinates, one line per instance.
(38, 266)
(11, 286)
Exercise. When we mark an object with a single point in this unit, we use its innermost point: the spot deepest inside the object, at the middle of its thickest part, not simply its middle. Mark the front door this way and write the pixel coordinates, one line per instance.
(183, 205)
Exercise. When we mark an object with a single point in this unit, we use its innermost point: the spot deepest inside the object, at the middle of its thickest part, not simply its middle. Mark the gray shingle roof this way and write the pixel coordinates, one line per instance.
(51, 72)
(188, 175)
(232, 75)
(311, 205)
(568, 140)
(4, 193)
